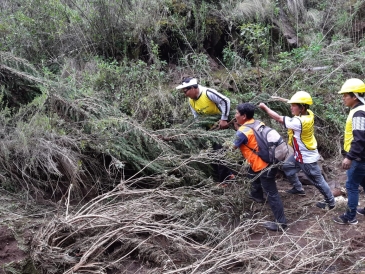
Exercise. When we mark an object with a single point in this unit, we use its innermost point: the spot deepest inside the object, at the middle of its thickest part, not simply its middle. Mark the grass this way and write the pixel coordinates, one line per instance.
(75, 126)
(189, 230)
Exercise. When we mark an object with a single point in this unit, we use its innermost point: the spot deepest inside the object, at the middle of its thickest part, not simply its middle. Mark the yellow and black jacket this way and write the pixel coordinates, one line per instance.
(354, 137)
(210, 102)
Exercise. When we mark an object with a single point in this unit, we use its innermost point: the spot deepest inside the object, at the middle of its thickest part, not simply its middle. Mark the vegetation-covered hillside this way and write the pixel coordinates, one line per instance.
(91, 122)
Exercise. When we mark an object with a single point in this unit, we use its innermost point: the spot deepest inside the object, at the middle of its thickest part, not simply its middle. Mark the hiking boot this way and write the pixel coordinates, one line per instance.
(275, 226)
(361, 211)
(257, 200)
(343, 220)
(325, 205)
(295, 191)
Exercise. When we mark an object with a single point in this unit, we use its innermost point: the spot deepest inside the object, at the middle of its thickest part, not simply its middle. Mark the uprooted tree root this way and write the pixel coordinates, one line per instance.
(182, 230)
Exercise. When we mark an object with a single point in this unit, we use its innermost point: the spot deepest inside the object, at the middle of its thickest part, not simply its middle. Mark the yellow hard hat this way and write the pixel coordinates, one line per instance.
(301, 97)
(353, 85)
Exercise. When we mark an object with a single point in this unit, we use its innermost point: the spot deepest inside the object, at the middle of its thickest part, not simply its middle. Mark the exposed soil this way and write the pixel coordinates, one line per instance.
(19, 221)
(305, 218)
(9, 250)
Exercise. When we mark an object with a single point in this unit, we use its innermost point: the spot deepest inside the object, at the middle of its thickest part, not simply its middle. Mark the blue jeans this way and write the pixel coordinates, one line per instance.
(266, 183)
(291, 167)
(355, 178)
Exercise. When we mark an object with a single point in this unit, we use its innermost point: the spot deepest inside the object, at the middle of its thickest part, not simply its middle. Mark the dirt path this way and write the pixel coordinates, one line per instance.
(306, 221)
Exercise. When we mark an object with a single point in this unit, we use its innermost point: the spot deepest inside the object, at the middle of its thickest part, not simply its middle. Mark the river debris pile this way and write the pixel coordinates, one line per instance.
(183, 230)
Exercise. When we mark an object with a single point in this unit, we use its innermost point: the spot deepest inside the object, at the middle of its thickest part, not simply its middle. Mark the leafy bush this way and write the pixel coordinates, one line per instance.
(106, 95)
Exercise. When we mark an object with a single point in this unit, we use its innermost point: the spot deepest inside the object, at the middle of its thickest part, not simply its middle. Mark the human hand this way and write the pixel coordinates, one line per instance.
(223, 124)
(277, 98)
(346, 163)
(262, 106)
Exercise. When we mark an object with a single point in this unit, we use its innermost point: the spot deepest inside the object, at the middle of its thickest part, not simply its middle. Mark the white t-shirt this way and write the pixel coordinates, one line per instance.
(301, 152)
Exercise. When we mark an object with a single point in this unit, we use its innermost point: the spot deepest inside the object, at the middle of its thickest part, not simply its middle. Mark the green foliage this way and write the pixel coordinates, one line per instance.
(104, 106)
(88, 99)
(197, 63)
(125, 84)
(298, 55)
(70, 131)
(256, 40)
(232, 59)
(41, 27)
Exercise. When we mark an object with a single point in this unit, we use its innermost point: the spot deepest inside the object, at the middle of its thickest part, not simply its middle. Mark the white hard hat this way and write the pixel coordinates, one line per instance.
(187, 83)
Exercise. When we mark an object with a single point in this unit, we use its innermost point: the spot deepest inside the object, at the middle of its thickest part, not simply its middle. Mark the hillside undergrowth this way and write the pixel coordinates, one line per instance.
(90, 118)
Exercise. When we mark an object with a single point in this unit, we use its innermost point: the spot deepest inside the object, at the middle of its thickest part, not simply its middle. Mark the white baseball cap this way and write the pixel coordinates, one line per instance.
(187, 83)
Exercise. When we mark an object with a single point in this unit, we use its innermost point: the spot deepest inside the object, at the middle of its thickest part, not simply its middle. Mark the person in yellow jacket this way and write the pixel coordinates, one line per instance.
(261, 173)
(302, 139)
(208, 101)
(353, 91)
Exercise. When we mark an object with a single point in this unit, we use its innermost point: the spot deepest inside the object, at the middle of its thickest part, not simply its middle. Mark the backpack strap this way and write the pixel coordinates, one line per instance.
(255, 127)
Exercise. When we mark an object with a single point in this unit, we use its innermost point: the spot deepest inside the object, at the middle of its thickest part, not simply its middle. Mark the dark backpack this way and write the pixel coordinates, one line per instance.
(271, 146)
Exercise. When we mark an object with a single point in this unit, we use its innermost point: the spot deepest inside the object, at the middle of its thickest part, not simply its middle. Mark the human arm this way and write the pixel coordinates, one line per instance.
(272, 113)
(222, 102)
(241, 139)
(357, 148)
(223, 124)
(193, 112)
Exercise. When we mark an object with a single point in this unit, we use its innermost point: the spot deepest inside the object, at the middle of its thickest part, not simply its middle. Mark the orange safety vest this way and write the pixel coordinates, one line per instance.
(256, 163)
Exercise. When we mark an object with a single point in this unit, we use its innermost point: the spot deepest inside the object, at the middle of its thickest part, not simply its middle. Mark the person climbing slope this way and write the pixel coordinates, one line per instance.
(301, 138)
(353, 91)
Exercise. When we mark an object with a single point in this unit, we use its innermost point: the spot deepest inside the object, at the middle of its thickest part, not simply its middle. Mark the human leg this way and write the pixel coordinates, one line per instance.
(314, 174)
(355, 175)
(268, 183)
(362, 183)
(343, 220)
(360, 210)
(221, 172)
(291, 168)
(256, 191)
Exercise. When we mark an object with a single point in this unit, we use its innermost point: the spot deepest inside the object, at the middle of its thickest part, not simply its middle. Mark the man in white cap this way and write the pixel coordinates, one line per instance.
(206, 101)
(353, 91)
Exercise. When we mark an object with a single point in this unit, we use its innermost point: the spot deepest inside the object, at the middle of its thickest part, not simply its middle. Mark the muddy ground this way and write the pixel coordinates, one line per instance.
(20, 220)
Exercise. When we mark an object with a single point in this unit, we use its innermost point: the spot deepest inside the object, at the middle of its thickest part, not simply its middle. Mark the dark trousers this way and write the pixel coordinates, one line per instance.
(355, 178)
(266, 183)
(221, 172)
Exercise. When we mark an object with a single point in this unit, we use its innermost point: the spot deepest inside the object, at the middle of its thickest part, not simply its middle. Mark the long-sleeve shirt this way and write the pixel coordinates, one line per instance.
(357, 148)
(221, 101)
